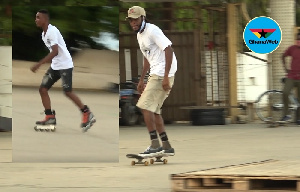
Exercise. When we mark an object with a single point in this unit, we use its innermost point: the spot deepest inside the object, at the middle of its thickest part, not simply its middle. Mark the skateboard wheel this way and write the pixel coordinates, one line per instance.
(47, 130)
(146, 163)
(36, 129)
(53, 130)
(151, 161)
(132, 163)
(165, 161)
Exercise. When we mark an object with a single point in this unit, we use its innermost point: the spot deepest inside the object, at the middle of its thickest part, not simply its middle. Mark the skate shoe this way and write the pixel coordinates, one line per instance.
(88, 120)
(285, 119)
(49, 120)
(168, 152)
(151, 152)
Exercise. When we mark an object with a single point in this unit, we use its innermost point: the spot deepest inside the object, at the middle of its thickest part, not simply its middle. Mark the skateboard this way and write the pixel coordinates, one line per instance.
(86, 128)
(140, 159)
(273, 124)
(45, 128)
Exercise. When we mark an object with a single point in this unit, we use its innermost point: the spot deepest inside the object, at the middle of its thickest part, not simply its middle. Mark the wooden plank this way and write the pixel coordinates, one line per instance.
(133, 56)
(241, 185)
(272, 169)
(232, 50)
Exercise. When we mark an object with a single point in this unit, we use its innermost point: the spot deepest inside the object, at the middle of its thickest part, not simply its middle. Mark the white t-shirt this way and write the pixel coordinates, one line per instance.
(153, 42)
(63, 60)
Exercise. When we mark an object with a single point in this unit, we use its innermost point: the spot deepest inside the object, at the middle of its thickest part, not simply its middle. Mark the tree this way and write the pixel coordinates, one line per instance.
(5, 24)
(65, 2)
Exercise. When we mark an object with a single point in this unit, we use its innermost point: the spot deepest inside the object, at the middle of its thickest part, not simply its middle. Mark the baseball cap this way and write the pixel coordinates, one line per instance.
(136, 12)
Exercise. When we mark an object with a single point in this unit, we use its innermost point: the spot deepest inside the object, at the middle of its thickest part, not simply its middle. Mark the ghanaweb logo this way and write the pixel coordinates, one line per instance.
(262, 35)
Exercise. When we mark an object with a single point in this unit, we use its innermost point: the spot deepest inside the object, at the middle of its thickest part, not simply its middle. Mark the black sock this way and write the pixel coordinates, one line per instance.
(153, 135)
(163, 136)
(84, 109)
(48, 112)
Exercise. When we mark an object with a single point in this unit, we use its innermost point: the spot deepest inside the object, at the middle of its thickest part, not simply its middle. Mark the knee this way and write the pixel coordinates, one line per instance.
(158, 119)
(43, 90)
(67, 93)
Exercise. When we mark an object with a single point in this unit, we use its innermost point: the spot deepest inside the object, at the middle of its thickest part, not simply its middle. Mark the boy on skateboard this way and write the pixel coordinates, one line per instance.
(61, 67)
(160, 59)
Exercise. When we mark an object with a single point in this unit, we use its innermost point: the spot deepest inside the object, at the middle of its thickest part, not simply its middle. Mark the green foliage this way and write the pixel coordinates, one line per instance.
(65, 2)
(78, 26)
(297, 13)
(5, 24)
(257, 8)
(160, 14)
(186, 13)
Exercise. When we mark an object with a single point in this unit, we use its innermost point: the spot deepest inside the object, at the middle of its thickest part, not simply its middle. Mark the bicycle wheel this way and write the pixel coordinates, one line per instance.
(269, 106)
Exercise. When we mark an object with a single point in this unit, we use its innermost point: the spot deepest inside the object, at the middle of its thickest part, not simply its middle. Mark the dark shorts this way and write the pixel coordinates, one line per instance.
(52, 76)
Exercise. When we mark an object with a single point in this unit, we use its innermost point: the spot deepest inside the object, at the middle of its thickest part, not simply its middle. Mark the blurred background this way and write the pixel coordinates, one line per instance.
(81, 27)
(91, 35)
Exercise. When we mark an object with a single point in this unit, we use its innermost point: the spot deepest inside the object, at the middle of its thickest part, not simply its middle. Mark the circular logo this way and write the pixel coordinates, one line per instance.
(262, 35)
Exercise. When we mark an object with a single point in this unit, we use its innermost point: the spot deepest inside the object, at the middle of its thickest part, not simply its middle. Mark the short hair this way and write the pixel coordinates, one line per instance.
(44, 11)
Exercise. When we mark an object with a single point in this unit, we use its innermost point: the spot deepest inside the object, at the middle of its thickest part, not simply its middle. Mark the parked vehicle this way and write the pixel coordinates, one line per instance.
(129, 114)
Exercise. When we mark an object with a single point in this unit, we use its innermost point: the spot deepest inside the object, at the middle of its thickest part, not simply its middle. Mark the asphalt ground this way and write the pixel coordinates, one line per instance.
(68, 143)
(197, 148)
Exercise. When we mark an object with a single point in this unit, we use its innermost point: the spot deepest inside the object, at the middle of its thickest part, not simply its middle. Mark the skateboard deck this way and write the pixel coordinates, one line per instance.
(45, 128)
(278, 123)
(158, 158)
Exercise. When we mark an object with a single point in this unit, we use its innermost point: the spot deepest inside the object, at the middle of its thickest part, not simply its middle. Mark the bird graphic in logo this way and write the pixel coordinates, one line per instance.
(265, 33)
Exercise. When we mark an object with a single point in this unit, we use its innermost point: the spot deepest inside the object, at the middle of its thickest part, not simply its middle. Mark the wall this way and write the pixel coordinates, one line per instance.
(253, 79)
(5, 88)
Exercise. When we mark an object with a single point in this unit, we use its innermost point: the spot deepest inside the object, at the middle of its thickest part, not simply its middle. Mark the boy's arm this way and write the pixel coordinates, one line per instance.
(46, 59)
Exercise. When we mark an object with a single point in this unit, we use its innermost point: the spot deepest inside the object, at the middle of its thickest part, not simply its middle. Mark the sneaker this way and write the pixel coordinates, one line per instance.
(151, 152)
(285, 119)
(49, 120)
(87, 119)
(168, 152)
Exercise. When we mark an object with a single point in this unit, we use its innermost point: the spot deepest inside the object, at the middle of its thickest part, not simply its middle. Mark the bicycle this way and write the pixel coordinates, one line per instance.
(269, 106)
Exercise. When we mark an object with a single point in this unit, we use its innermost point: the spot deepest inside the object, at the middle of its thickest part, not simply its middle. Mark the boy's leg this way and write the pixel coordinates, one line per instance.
(45, 97)
(149, 119)
(147, 104)
(289, 84)
(50, 77)
(66, 77)
(150, 102)
(75, 99)
(87, 115)
(162, 95)
(298, 96)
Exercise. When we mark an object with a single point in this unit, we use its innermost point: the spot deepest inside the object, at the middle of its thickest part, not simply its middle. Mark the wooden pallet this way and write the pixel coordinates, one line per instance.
(268, 175)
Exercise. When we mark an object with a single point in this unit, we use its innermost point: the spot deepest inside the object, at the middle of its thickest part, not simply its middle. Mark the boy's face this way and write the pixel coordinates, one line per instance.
(135, 23)
(40, 19)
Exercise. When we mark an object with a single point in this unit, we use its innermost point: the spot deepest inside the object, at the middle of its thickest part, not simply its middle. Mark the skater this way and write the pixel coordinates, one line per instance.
(293, 78)
(61, 67)
(160, 59)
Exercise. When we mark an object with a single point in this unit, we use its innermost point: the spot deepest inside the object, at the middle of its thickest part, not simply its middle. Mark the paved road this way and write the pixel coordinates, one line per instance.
(196, 148)
(68, 143)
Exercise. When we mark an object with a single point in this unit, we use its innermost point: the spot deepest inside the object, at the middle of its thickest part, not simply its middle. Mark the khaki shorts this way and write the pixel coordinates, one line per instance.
(154, 96)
